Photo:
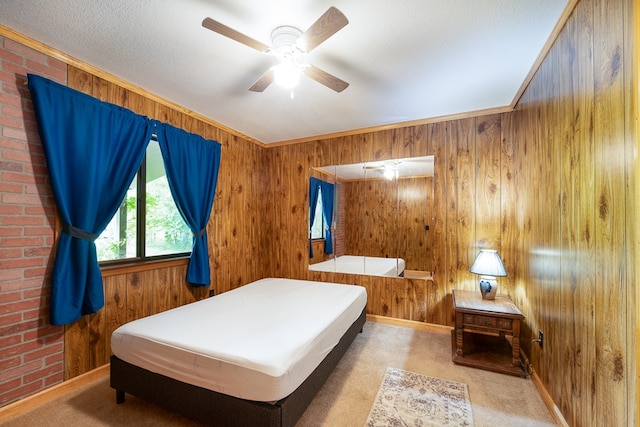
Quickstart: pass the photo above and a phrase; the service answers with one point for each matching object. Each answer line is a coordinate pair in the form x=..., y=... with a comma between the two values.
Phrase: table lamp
x=488, y=265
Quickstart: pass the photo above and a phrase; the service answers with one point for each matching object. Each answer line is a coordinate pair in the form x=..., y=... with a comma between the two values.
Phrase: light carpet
x=415, y=400
x=344, y=401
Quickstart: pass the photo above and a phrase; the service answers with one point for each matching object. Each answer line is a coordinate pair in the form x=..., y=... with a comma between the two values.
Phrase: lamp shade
x=488, y=263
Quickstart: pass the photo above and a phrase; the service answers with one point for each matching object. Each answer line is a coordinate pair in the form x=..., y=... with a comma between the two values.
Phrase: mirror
x=379, y=221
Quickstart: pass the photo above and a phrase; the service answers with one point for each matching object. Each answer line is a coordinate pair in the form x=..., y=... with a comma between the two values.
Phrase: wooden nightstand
x=482, y=328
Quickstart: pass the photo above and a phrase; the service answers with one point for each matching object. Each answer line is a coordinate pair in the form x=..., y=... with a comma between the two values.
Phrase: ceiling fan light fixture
x=287, y=75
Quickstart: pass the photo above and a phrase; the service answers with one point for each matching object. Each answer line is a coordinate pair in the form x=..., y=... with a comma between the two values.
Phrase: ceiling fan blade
x=322, y=77
x=263, y=82
x=326, y=26
x=222, y=29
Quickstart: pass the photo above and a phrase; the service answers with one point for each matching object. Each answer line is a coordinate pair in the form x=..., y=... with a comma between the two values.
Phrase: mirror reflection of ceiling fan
x=289, y=45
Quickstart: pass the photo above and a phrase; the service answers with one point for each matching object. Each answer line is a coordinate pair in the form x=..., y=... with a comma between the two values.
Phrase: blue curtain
x=192, y=165
x=93, y=150
x=327, y=191
x=314, y=186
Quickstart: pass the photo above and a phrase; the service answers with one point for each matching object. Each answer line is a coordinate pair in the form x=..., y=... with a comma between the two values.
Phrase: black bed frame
x=211, y=407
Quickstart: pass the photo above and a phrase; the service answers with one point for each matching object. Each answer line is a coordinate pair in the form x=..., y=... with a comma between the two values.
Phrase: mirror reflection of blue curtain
x=313, y=201
x=93, y=150
x=192, y=164
x=327, y=210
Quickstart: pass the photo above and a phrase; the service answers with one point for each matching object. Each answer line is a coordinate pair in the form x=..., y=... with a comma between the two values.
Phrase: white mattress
x=355, y=264
x=258, y=342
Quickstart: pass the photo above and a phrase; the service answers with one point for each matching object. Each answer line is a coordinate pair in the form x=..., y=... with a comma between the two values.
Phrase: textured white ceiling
x=405, y=60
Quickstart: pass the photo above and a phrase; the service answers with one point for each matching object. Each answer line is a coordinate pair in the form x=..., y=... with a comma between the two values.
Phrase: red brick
x=9, y=385
x=21, y=220
x=10, y=254
x=7, y=231
x=12, y=340
x=10, y=363
x=20, y=263
x=12, y=210
x=11, y=166
x=10, y=319
x=55, y=358
x=18, y=155
x=24, y=51
x=39, y=231
x=14, y=133
x=18, y=177
x=13, y=144
x=14, y=307
x=9, y=276
x=18, y=393
x=20, y=370
x=10, y=296
x=55, y=378
x=5, y=98
x=42, y=353
x=7, y=55
x=20, y=199
x=11, y=188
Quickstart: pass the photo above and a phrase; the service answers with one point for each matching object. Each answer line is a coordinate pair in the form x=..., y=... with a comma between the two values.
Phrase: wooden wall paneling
x=488, y=174
x=282, y=193
x=237, y=162
x=160, y=283
x=543, y=208
x=569, y=217
x=583, y=406
x=221, y=217
x=632, y=132
x=299, y=211
x=437, y=300
x=79, y=80
x=510, y=232
x=254, y=253
x=136, y=306
x=76, y=348
x=272, y=209
x=115, y=290
x=97, y=339
x=265, y=226
x=168, y=115
x=610, y=398
x=354, y=235
x=382, y=145
x=463, y=147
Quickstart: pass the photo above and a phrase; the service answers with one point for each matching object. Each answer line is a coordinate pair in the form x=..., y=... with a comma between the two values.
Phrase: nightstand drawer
x=487, y=322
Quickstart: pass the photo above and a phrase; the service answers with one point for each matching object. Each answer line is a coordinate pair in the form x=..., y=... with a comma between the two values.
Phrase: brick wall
x=31, y=349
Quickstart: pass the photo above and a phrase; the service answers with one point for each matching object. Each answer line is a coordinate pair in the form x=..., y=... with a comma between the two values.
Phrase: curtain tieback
x=78, y=233
x=200, y=233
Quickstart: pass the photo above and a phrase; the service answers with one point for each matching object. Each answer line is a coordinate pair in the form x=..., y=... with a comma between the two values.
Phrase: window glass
x=152, y=214
x=165, y=230
x=118, y=240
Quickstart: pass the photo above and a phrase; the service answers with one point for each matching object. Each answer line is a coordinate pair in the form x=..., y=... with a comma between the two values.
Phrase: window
x=318, y=226
x=147, y=224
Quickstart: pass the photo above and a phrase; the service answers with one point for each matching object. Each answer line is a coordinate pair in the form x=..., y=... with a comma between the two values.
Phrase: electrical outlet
x=211, y=292
x=540, y=338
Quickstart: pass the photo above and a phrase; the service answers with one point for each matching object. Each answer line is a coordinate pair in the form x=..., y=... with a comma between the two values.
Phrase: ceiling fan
x=289, y=45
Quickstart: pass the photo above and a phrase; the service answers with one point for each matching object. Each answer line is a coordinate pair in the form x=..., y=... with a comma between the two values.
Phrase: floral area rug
x=409, y=399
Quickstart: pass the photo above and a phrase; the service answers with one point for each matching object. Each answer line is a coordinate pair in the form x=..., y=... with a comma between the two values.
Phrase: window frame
x=141, y=216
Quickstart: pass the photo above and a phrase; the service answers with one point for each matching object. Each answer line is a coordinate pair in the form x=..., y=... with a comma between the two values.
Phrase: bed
x=256, y=355
x=356, y=264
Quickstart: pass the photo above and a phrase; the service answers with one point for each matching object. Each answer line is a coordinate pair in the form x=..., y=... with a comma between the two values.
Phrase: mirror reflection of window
x=318, y=226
